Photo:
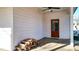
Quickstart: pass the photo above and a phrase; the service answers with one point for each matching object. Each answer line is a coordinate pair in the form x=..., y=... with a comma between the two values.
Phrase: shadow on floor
x=44, y=41
x=53, y=40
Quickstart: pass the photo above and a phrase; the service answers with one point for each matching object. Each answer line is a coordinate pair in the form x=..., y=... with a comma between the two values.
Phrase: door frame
x=51, y=26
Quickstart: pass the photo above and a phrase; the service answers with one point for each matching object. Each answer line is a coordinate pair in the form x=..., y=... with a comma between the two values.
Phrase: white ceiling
x=67, y=9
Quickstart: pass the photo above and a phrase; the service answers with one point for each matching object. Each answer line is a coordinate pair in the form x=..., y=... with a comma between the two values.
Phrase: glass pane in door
x=56, y=26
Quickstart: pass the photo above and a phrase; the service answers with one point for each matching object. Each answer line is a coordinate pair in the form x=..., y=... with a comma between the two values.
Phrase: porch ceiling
x=45, y=9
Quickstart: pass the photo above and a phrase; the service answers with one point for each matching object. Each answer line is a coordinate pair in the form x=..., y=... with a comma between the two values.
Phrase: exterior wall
x=64, y=24
x=6, y=23
x=27, y=24
x=31, y=23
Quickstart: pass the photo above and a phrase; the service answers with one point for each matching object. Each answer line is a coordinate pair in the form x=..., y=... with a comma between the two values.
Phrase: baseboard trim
x=55, y=38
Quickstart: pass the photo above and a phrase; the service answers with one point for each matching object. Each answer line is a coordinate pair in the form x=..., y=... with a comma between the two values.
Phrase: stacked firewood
x=26, y=44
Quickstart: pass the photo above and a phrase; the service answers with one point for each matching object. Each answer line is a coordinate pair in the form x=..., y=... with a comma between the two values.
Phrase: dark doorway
x=55, y=28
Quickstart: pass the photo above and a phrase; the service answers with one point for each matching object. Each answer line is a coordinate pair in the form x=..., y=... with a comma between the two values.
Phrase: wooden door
x=55, y=28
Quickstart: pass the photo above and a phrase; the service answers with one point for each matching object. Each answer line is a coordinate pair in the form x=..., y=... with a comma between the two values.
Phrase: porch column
x=71, y=27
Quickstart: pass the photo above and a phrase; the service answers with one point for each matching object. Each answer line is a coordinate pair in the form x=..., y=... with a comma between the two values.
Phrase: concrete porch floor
x=3, y=49
x=54, y=44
